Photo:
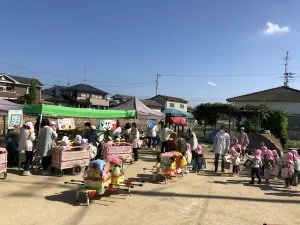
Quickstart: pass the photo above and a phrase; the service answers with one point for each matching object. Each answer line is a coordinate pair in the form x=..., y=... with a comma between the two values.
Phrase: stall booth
x=177, y=118
x=73, y=157
x=143, y=113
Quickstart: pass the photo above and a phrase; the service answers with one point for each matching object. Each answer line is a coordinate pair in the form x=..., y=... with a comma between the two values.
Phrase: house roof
x=151, y=103
x=171, y=99
x=278, y=94
x=119, y=96
x=49, y=91
x=85, y=88
x=25, y=80
x=50, y=98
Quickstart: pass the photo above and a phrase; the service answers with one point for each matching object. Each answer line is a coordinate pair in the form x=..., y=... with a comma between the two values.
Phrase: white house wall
x=291, y=108
x=176, y=106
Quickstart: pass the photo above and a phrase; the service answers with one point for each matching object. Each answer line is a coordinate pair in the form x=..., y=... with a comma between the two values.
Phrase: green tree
x=30, y=98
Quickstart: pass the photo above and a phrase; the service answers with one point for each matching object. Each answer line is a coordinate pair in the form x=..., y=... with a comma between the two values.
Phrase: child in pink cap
x=275, y=170
x=255, y=165
x=234, y=153
x=296, y=167
x=289, y=165
x=268, y=162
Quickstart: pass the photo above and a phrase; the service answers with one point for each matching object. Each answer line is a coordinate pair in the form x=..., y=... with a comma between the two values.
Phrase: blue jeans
x=197, y=166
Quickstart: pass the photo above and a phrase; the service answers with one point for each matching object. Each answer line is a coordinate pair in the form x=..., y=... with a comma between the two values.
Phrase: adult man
x=165, y=136
x=151, y=134
x=243, y=140
x=221, y=146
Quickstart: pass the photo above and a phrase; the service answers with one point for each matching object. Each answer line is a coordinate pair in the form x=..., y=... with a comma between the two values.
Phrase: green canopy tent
x=52, y=110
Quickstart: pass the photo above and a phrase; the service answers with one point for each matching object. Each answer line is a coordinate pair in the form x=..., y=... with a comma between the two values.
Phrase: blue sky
x=124, y=44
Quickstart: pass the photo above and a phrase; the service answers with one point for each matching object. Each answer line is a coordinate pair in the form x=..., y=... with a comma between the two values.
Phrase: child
x=234, y=153
x=296, y=167
x=256, y=164
x=188, y=153
x=158, y=164
x=289, y=165
x=268, y=163
x=197, y=157
x=275, y=171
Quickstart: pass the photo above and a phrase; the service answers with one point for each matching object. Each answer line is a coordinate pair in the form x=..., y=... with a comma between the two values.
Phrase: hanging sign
x=15, y=119
x=66, y=124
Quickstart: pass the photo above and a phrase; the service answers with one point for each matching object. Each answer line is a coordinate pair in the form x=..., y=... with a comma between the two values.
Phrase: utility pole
x=85, y=75
x=157, y=83
x=287, y=75
x=68, y=84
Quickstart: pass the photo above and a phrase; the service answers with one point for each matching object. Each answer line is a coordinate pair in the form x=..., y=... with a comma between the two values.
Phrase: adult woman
x=134, y=137
x=27, y=136
x=191, y=138
x=47, y=136
x=221, y=146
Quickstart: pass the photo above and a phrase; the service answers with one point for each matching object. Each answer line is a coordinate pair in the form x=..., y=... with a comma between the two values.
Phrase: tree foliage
x=30, y=98
x=255, y=117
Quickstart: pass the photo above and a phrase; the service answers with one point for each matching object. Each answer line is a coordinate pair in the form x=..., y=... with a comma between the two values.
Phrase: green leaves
x=30, y=98
x=274, y=120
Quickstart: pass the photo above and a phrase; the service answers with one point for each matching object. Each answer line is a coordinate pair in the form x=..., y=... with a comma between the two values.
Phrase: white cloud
x=211, y=83
x=272, y=28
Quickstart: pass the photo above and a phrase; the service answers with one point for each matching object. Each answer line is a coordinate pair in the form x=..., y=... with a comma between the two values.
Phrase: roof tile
x=278, y=94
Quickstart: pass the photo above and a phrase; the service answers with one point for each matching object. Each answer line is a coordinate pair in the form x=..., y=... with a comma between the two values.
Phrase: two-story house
x=80, y=95
x=15, y=87
x=171, y=102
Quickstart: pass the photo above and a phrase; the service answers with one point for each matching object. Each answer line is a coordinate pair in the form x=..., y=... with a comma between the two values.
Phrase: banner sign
x=66, y=124
x=107, y=125
x=151, y=123
x=15, y=119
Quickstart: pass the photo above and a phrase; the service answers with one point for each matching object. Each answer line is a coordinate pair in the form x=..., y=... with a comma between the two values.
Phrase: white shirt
x=221, y=143
x=165, y=134
x=151, y=132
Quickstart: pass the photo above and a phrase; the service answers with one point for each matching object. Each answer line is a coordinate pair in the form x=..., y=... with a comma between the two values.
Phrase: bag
x=227, y=165
x=203, y=162
x=284, y=172
x=248, y=163
x=275, y=171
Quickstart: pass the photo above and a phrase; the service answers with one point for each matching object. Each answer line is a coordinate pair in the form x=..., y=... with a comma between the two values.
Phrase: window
x=182, y=106
x=172, y=105
x=83, y=95
x=6, y=87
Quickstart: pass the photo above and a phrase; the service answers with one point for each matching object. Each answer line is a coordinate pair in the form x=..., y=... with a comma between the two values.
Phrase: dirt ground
x=203, y=199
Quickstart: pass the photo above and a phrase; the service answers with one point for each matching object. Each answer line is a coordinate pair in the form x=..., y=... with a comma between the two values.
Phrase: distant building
x=14, y=88
x=80, y=95
x=152, y=105
x=280, y=98
x=118, y=99
x=190, y=109
x=171, y=102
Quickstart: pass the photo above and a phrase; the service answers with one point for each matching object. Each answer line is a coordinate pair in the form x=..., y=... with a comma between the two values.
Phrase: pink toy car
x=3, y=162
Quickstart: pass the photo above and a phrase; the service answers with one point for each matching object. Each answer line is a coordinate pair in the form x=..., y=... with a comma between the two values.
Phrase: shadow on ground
x=219, y=197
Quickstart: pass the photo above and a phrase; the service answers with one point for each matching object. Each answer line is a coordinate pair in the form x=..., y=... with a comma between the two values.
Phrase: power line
x=217, y=75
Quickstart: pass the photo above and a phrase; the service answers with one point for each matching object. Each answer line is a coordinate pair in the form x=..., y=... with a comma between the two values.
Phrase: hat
x=242, y=128
x=93, y=127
